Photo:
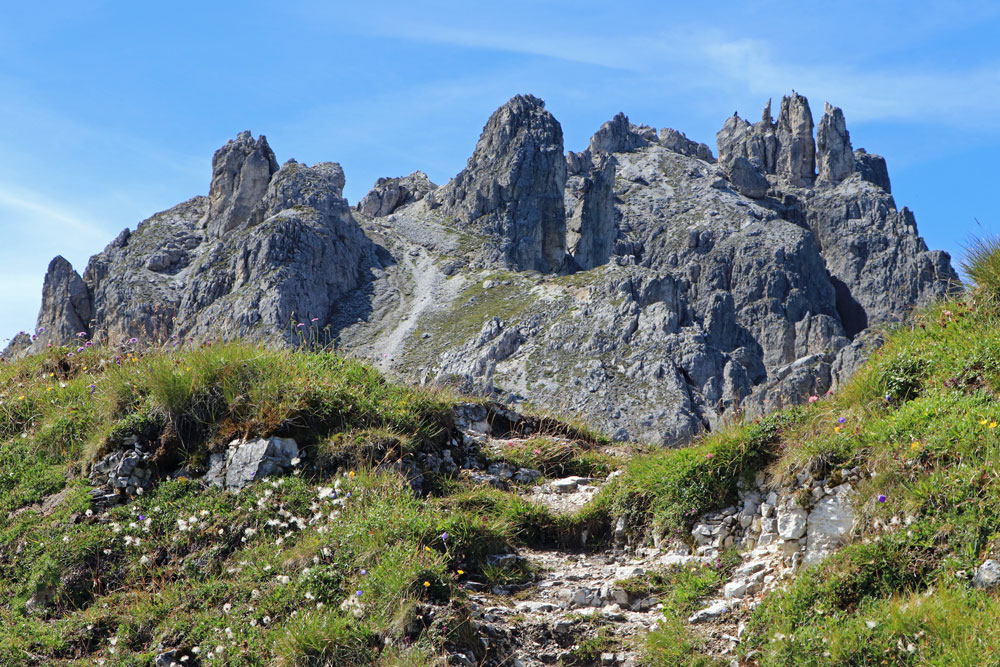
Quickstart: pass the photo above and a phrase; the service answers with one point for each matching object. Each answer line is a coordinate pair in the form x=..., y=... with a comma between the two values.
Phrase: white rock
x=792, y=523
x=829, y=525
x=714, y=610
x=735, y=589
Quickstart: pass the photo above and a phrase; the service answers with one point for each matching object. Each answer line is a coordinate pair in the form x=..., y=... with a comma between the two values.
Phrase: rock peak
x=834, y=156
x=241, y=171
x=797, y=154
x=512, y=187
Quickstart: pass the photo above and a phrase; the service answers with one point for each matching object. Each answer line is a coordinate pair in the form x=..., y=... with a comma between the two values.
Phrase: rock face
x=391, y=193
x=796, y=160
x=638, y=283
x=66, y=306
x=833, y=146
x=512, y=188
x=241, y=171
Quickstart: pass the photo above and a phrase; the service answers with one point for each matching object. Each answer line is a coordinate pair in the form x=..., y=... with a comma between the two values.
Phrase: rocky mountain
x=640, y=284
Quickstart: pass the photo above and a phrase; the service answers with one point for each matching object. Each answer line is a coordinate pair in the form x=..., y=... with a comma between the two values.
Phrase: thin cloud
x=711, y=60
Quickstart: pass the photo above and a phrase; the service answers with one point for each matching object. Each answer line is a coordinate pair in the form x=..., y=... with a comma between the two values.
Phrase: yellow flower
x=982, y=422
x=427, y=584
x=350, y=474
x=993, y=424
x=836, y=429
x=461, y=572
x=915, y=445
x=20, y=398
x=427, y=548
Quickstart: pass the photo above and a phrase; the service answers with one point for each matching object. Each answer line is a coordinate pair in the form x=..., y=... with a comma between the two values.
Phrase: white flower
x=226, y=608
x=283, y=579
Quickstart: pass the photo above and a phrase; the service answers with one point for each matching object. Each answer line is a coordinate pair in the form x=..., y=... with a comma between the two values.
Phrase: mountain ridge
x=641, y=284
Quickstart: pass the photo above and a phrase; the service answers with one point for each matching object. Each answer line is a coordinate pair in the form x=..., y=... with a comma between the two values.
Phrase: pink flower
x=813, y=399
x=710, y=455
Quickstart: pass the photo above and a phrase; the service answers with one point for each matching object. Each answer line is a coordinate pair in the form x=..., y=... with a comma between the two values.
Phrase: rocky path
x=428, y=287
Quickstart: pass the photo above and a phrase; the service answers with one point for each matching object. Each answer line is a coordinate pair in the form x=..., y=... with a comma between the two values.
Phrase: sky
x=111, y=111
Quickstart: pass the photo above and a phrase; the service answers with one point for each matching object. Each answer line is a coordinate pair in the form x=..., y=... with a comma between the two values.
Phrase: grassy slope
x=920, y=417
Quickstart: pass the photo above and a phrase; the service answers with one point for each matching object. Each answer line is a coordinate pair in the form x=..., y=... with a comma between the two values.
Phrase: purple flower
x=89, y=343
x=444, y=536
x=82, y=334
x=841, y=420
x=300, y=325
x=93, y=388
x=363, y=572
x=40, y=330
x=133, y=341
x=142, y=517
x=888, y=397
x=881, y=498
x=358, y=593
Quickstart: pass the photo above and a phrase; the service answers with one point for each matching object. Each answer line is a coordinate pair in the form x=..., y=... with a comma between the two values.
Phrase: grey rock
x=796, y=160
x=872, y=168
x=618, y=135
x=390, y=194
x=591, y=220
x=512, y=188
x=792, y=523
x=678, y=142
x=834, y=156
x=987, y=575
x=746, y=177
x=67, y=307
x=241, y=171
x=829, y=526
x=247, y=461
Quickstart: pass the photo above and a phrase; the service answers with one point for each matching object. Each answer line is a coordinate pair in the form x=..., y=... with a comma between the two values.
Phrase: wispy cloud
x=707, y=59
x=24, y=205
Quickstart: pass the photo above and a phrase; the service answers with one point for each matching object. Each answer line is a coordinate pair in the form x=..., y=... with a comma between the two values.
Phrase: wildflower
x=351, y=474
x=133, y=341
x=364, y=572
x=359, y=592
x=444, y=536
x=315, y=319
x=813, y=399
x=426, y=548
x=300, y=325
x=983, y=422
x=914, y=445
x=710, y=456
x=842, y=420
x=881, y=498
x=461, y=572
x=836, y=429
x=888, y=398
x=993, y=424
x=93, y=388
x=427, y=584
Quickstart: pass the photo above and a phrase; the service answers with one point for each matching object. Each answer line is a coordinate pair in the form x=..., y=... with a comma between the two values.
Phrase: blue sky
x=111, y=111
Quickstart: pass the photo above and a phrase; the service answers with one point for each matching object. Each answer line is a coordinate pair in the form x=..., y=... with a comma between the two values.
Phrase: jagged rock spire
x=797, y=150
x=241, y=171
x=512, y=187
x=618, y=135
x=834, y=155
x=67, y=306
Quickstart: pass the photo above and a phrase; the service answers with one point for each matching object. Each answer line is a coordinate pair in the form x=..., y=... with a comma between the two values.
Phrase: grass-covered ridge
x=337, y=564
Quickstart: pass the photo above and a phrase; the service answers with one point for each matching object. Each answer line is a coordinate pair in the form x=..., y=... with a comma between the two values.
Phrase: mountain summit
x=641, y=284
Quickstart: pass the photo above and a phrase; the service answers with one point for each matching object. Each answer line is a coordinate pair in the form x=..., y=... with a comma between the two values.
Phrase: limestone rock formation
x=512, y=188
x=241, y=171
x=66, y=306
x=391, y=193
x=833, y=147
x=638, y=284
x=618, y=135
x=591, y=223
x=796, y=159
